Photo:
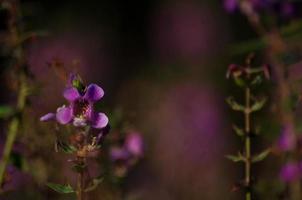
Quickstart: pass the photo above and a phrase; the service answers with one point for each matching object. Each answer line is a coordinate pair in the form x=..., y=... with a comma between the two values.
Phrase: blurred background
x=162, y=64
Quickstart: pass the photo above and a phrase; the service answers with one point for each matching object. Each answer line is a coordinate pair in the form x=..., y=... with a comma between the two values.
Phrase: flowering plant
x=81, y=115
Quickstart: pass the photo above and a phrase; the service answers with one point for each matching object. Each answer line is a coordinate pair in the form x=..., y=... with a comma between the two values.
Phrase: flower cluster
x=127, y=153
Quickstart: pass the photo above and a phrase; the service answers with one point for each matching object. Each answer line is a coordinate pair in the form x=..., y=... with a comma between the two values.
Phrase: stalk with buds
x=246, y=78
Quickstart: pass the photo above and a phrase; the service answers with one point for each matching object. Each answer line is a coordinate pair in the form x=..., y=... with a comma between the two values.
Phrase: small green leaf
x=95, y=182
x=238, y=131
x=239, y=81
x=261, y=156
x=235, y=158
x=64, y=189
x=258, y=105
x=78, y=83
x=66, y=147
x=257, y=80
x=234, y=105
x=6, y=111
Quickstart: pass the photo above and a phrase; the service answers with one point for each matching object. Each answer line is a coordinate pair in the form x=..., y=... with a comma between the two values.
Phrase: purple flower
x=287, y=140
x=80, y=110
x=134, y=144
x=290, y=171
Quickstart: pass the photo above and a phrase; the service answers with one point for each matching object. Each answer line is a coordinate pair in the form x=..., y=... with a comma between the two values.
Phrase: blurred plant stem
x=247, y=144
x=13, y=127
x=277, y=46
x=20, y=69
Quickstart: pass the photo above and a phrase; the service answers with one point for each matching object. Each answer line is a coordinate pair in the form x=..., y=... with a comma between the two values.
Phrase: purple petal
x=99, y=120
x=134, y=144
x=94, y=93
x=48, y=117
x=71, y=94
x=64, y=115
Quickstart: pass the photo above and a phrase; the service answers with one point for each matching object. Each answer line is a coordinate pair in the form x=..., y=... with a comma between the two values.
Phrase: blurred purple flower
x=134, y=144
x=290, y=171
x=15, y=179
x=80, y=111
x=287, y=140
x=283, y=8
x=127, y=154
x=287, y=9
x=132, y=148
x=119, y=154
x=183, y=30
x=247, y=5
x=230, y=5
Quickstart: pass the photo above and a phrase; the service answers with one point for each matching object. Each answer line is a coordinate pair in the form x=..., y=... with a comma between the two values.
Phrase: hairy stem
x=81, y=181
x=247, y=144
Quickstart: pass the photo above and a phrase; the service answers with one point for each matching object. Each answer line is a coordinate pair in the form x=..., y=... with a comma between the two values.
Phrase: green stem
x=13, y=128
x=247, y=144
x=80, y=183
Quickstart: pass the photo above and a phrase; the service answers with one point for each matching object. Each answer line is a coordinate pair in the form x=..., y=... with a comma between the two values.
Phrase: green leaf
x=258, y=105
x=95, y=182
x=234, y=105
x=261, y=156
x=66, y=147
x=78, y=83
x=64, y=189
x=6, y=111
x=239, y=81
x=238, y=158
x=238, y=130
